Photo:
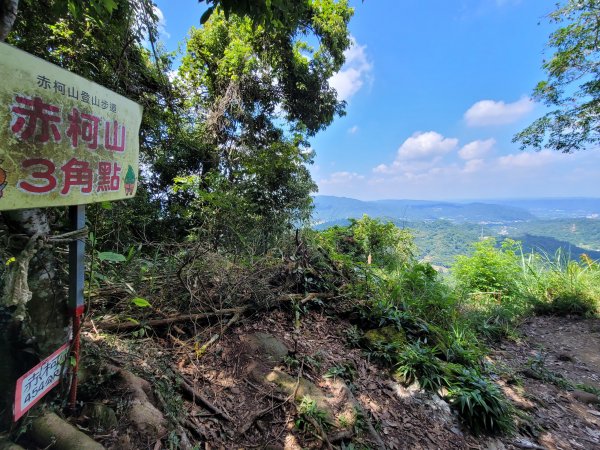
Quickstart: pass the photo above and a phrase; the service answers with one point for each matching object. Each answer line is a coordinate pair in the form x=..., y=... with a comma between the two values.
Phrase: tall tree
x=572, y=87
x=255, y=95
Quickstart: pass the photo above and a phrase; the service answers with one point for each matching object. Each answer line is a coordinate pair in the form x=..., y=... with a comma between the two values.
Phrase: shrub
x=560, y=286
x=489, y=269
x=419, y=290
x=389, y=247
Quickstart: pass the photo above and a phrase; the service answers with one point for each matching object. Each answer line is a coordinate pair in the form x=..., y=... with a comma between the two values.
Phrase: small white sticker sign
x=36, y=383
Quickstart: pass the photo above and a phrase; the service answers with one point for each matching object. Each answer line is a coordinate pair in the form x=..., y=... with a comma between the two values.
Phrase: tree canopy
x=226, y=137
x=572, y=87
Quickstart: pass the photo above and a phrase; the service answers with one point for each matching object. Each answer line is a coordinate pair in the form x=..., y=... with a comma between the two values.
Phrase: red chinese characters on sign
x=108, y=176
x=113, y=143
x=48, y=181
x=84, y=126
x=30, y=113
x=76, y=174
x=39, y=122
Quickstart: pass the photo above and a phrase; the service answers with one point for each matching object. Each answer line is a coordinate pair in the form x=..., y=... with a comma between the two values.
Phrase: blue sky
x=435, y=89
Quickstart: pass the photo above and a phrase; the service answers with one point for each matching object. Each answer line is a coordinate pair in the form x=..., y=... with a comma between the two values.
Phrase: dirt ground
x=542, y=372
x=565, y=352
x=404, y=418
x=551, y=415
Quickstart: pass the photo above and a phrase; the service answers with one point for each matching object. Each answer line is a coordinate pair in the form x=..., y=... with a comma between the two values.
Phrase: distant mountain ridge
x=331, y=208
x=443, y=230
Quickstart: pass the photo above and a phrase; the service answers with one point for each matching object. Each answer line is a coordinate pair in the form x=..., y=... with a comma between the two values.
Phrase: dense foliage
x=218, y=222
x=434, y=330
x=572, y=88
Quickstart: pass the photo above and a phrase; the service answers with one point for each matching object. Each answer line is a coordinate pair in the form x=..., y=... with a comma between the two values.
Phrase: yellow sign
x=64, y=140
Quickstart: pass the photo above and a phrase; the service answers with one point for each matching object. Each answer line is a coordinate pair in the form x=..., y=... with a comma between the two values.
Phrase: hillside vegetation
x=216, y=316
x=444, y=230
x=421, y=330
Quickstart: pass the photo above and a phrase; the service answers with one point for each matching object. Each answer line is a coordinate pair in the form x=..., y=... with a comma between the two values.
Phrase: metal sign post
x=76, y=288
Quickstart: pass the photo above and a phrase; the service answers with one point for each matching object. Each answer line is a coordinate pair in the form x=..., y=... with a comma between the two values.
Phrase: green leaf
x=10, y=261
x=106, y=205
x=206, y=15
x=141, y=302
x=111, y=257
x=109, y=5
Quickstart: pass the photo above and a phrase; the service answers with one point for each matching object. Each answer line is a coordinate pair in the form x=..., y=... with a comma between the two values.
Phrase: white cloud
x=162, y=23
x=529, y=159
x=542, y=174
x=473, y=165
x=476, y=149
x=426, y=145
x=490, y=112
x=341, y=178
x=353, y=129
x=419, y=152
x=355, y=72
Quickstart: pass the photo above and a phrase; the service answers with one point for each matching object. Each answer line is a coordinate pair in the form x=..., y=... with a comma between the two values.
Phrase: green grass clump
x=480, y=403
x=560, y=286
x=463, y=346
x=419, y=362
x=311, y=417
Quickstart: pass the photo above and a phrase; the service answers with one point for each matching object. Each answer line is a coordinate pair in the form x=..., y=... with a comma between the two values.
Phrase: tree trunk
x=8, y=14
x=33, y=304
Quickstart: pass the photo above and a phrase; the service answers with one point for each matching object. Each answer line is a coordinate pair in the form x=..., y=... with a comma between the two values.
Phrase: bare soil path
x=251, y=376
x=545, y=372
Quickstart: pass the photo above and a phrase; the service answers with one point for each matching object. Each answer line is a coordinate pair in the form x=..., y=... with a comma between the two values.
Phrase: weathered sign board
x=36, y=383
x=64, y=140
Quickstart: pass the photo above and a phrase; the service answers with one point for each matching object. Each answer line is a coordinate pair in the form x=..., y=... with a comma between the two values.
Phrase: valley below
x=558, y=228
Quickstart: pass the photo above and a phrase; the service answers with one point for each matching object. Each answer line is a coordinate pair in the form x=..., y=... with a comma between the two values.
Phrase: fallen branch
x=216, y=336
x=303, y=299
x=319, y=432
x=341, y=436
x=257, y=415
x=198, y=398
x=125, y=326
x=194, y=427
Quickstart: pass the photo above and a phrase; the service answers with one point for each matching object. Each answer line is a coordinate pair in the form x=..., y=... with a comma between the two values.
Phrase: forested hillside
x=444, y=230
x=228, y=307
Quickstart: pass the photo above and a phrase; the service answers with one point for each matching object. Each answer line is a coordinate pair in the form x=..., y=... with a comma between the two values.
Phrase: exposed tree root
x=145, y=417
x=370, y=429
x=50, y=431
